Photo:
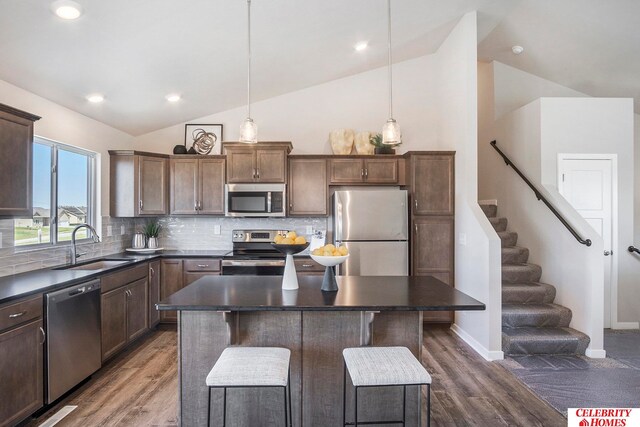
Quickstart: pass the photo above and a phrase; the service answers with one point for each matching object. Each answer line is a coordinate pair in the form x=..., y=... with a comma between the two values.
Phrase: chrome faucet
x=74, y=254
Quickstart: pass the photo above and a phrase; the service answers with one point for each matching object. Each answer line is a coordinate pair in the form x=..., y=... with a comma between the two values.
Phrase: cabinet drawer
x=124, y=277
x=20, y=312
x=202, y=264
x=307, y=264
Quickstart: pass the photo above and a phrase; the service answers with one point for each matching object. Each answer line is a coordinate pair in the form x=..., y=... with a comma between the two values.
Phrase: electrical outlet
x=109, y=230
x=122, y=230
x=309, y=230
x=216, y=229
x=462, y=239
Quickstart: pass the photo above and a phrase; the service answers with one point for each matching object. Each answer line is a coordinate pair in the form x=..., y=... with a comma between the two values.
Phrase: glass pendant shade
x=391, y=133
x=249, y=131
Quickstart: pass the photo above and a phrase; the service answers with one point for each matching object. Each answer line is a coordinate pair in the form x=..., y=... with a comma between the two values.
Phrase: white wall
x=306, y=117
x=478, y=260
x=63, y=125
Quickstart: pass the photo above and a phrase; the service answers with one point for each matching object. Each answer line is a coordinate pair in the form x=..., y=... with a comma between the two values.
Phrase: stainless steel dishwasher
x=73, y=337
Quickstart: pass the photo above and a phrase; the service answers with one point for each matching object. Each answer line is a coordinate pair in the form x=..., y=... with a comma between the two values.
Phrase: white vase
x=341, y=141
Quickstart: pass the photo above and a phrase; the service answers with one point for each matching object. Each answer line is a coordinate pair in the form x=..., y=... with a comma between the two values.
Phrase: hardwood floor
x=139, y=388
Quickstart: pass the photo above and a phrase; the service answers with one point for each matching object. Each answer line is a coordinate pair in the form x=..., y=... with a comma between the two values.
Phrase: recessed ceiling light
x=95, y=98
x=517, y=49
x=360, y=46
x=173, y=97
x=66, y=9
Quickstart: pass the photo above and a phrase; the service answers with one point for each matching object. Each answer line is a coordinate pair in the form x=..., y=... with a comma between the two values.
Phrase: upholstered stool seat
x=251, y=367
x=382, y=367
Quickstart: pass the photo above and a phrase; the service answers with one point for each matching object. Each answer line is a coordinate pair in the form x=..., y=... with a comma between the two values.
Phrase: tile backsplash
x=200, y=233
x=14, y=260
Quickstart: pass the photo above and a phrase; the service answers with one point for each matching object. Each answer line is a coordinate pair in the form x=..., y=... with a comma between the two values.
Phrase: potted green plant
x=376, y=141
x=151, y=232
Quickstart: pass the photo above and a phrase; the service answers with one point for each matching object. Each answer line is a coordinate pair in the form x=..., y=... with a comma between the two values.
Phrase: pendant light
x=391, y=134
x=248, y=128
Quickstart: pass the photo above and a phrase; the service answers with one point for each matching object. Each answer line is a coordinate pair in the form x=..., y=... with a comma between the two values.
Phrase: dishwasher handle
x=74, y=291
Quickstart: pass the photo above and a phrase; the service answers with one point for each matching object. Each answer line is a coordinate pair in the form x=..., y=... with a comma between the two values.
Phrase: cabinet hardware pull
x=307, y=265
x=199, y=205
x=366, y=172
x=44, y=336
x=141, y=205
x=195, y=207
x=14, y=315
x=258, y=173
x=153, y=273
x=416, y=227
x=254, y=174
x=416, y=203
x=203, y=265
x=361, y=172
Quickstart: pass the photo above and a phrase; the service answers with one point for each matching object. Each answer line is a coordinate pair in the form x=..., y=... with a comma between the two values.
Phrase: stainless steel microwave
x=255, y=200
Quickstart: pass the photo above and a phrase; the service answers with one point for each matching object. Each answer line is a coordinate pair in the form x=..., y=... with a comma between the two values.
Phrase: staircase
x=531, y=322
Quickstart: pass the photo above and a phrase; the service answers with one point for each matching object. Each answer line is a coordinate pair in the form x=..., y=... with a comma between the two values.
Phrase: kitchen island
x=218, y=311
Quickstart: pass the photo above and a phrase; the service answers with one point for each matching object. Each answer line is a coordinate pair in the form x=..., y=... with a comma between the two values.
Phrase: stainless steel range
x=253, y=254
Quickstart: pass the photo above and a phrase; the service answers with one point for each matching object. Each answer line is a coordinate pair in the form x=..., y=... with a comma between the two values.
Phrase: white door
x=586, y=183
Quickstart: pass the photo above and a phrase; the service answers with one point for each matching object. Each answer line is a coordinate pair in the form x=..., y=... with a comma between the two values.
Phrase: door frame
x=614, y=222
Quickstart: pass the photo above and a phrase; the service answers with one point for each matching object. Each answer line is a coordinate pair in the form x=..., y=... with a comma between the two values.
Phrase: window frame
x=92, y=207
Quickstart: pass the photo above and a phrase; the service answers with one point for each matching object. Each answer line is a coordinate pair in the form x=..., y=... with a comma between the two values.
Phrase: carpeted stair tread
x=527, y=340
x=508, y=238
x=499, y=224
x=489, y=210
x=536, y=315
x=528, y=293
x=515, y=255
x=521, y=273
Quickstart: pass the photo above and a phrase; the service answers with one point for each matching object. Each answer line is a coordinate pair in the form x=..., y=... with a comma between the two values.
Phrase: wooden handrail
x=539, y=196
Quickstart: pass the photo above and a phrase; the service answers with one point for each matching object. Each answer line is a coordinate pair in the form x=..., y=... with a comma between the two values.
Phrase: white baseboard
x=596, y=354
x=479, y=348
x=625, y=325
x=488, y=202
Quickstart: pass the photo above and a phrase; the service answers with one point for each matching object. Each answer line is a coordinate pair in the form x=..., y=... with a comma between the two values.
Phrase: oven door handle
x=256, y=263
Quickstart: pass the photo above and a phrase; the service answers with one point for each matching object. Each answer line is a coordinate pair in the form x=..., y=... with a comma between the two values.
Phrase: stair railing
x=633, y=249
x=539, y=196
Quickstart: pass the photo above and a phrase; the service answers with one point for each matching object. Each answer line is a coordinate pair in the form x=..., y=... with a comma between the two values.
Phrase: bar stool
x=249, y=367
x=383, y=367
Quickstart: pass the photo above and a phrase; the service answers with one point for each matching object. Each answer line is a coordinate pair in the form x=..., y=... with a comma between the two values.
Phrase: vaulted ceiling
x=137, y=52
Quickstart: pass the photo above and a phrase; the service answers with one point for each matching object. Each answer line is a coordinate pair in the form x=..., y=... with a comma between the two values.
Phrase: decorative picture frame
x=190, y=130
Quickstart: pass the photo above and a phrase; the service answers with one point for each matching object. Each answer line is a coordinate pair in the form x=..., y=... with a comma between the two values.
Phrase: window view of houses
x=32, y=231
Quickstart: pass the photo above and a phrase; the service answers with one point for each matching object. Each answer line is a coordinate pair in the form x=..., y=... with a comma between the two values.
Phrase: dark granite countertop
x=49, y=279
x=356, y=293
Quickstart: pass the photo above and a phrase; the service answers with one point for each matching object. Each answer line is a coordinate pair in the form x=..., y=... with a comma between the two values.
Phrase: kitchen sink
x=97, y=265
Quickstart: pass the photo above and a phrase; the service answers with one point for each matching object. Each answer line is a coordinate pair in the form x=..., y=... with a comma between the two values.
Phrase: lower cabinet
x=170, y=283
x=124, y=316
x=154, y=293
x=21, y=372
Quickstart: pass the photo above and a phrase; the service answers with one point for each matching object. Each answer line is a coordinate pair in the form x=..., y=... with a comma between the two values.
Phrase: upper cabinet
x=197, y=185
x=432, y=183
x=261, y=162
x=138, y=184
x=16, y=143
x=371, y=170
x=307, y=189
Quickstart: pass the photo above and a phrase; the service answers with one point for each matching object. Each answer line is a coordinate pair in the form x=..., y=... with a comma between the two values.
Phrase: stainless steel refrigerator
x=373, y=224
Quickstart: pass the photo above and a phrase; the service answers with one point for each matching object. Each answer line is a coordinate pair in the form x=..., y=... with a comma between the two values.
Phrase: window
x=63, y=195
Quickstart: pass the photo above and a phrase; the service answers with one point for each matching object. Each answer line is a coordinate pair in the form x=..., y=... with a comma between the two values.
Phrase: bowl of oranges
x=330, y=255
x=290, y=243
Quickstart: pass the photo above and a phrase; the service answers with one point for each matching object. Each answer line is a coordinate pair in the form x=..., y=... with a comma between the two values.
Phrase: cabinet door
x=114, y=321
x=433, y=184
x=183, y=186
x=211, y=198
x=152, y=186
x=346, y=171
x=271, y=165
x=137, y=309
x=16, y=142
x=21, y=376
x=433, y=255
x=240, y=165
x=154, y=293
x=381, y=171
x=170, y=283
x=307, y=187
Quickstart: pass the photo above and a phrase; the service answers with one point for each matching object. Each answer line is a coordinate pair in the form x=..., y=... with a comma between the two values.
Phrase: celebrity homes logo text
x=603, y=417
